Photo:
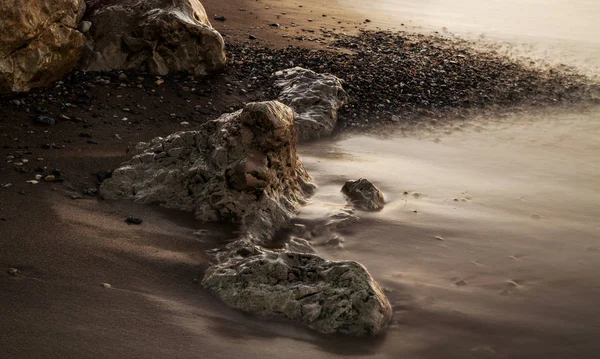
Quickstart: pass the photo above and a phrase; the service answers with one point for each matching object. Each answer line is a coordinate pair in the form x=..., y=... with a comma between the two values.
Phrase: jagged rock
x=158, y=36
x=327, y=296
x=242, y=167
x=364, y=195
x=315, y=99
x=39, y=42
x=299, y=245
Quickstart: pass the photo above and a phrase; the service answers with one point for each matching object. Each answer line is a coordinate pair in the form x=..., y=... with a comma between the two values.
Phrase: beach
x=488, y=246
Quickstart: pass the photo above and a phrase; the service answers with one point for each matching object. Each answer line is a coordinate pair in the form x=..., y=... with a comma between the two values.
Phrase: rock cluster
x=158, y=36
x=40, y=42
x=315, y=98
x=242, y=167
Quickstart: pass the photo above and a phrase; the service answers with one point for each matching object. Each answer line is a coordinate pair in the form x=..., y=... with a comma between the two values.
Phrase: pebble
x=118, y=137
x=49, y=178
x=38, y=177
x=12, y=272
x=45, y=120
x=185, y=123
x=106, y=285
x=439, y=238
x=33, y=181
x=76, y=196
x=133, y=220
x=123, y=77
x=252, y=37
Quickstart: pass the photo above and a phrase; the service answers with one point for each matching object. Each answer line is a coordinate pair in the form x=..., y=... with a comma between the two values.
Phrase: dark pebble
x=220, y=18
x=92, y=142
x=133, y=220
x=45, y=120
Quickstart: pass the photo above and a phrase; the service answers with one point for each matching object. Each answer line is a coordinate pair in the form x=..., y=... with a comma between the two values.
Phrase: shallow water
x=495, y=248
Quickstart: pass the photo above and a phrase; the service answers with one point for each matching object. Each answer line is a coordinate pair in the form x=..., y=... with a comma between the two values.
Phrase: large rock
x=315, y=99
x=39, y=42
x=327, y=296
x=241, y=167
x=158, y=36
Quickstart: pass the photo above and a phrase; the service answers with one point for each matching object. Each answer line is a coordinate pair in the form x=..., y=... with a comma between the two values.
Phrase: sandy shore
x=513, y=277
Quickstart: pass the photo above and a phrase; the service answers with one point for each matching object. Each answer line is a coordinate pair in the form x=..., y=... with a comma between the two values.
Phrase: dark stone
x=133, y=220
x=45, y=120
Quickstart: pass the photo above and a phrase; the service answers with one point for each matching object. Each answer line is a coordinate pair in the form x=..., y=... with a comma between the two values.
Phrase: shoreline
x=65, y=248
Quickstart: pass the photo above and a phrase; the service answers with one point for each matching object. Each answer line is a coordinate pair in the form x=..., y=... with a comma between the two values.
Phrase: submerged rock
x=40, y=42
x=242, y=167
x=325, y=295
x=363, y=194
x=315, y=99
x=158, y=36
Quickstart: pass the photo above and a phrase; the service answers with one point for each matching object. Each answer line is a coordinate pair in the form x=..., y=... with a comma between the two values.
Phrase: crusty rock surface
x=325, y=295
x=363, y=194
x=242, y=167
x=39, y=42
x=158, y=36
x=315, y=99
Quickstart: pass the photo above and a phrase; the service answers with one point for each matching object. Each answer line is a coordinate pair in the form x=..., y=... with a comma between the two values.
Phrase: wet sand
x=514, y=276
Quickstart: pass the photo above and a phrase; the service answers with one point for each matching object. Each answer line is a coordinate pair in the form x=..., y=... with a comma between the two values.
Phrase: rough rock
x=299, y=245
x=327, y=296
x=39, y=43
x=241, y=167
x=315, y=99
x=363, y=194
x=158, y=36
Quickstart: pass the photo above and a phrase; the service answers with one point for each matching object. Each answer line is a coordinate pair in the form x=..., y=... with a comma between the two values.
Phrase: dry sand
x=515, y=275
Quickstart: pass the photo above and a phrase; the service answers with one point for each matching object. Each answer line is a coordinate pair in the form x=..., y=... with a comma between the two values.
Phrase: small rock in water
x=220, y=18
x=363, y=195
x=536, y=216
x=106, y=285
x=439, y=238
x=13, y=271
x=45, y=120
x=118, y=137
x=33, y=181
x=133, y=220
x=123, y=77
x=49, y=178
x=461, y=283
x=252, y=37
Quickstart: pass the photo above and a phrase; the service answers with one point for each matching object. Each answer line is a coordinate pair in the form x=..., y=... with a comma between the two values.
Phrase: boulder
x=315, y=99
x=40, y=42
x=363, y=194
x=241, y=167
x=157, y=36
x=326, y=296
